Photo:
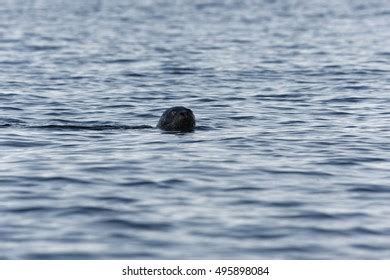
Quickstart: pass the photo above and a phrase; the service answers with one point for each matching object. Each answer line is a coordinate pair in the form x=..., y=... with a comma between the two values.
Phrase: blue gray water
x=290, y=160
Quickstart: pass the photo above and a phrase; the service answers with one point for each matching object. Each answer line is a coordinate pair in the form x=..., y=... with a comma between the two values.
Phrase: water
x=290, y=159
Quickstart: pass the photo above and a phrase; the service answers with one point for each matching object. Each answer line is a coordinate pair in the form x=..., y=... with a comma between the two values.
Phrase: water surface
x=290, y=160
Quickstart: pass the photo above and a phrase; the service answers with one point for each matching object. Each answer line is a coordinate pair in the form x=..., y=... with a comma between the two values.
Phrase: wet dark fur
x=177, y=119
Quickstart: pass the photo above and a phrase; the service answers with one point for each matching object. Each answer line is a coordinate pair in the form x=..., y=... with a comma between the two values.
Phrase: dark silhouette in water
x=177, y=119
x=180, y=119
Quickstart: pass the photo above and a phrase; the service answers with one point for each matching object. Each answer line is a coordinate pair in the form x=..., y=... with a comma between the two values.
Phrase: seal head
x=177, y=119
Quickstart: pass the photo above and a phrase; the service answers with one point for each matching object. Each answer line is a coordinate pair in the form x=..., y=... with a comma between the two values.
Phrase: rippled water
x=290, y=159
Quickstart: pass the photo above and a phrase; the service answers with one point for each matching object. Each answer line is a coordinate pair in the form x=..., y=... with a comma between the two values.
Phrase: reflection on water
x=290, y=159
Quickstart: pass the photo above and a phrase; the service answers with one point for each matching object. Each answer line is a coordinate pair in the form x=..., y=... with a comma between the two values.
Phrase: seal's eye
x=173, y=113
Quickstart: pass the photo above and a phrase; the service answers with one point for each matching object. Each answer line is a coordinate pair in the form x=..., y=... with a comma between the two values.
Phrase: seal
x=177, y=119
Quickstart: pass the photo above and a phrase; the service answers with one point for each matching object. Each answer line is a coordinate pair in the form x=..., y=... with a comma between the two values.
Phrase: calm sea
x=290, y=159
